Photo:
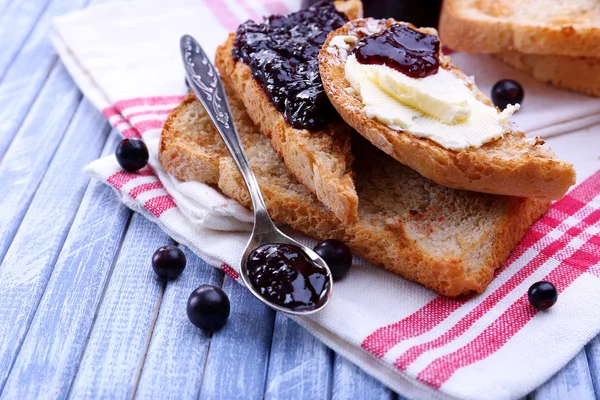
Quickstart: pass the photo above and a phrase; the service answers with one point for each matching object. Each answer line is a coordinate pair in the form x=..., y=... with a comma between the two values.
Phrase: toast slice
x=320, y=159
x=512, y=165
x=570, y=28
x=579, y=74
x=448, y=240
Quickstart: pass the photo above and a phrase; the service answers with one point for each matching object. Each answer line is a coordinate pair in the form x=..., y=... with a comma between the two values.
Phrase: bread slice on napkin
x=448, y=240
x=512, y=165
x=321, y=159
x=570, y=28
x=579, y=74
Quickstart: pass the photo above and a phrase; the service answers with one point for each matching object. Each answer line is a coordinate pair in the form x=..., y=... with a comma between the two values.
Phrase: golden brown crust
x=528, y=26
x=320, y=159
x=448, y=240
x=579, y=74
x=509, y=166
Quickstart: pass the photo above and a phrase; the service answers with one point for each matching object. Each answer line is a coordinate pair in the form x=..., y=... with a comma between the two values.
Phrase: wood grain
x=28, y=71
x=177, y=352
x=30, y=259
x=300, y=367
x=350, y=382
x=56, y=337
x=117, y=343
x=237, y=363
x=27, y=159
x=572, y=382
x=16, y=22
x=592, y=351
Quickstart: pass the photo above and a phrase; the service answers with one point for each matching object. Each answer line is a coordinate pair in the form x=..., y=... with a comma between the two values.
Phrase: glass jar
x=421, y=13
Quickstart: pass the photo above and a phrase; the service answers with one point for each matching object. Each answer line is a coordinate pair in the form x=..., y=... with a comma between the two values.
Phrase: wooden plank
x=592, y=351
x=237, y=363
x=118, y=339
x=572, y=382
x=28, y=72
x=51, y=350
x=177, y=351
x=300, y=367
x=350, y=382
x=16, y=23
x=25, y=271
x=27, y=159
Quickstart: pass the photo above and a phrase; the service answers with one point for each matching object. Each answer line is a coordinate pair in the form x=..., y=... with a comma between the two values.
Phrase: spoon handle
x=206, y=84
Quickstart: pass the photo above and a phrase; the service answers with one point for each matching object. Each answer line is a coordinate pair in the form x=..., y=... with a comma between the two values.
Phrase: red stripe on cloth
x=145, y=187
x=223, y=13
x=434, y=312
x=144, y=126
x=158, y=205
x=494, y=298
x=130, y=132
x=110, y=112
x=119, y=179
x=512, y=320
x=230, y=271
x=150, y=112
x=122, y=105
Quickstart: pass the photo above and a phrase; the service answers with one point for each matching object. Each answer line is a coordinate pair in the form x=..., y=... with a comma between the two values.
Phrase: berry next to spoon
x=278, y=270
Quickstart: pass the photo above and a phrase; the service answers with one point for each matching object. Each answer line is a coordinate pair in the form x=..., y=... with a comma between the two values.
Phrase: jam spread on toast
x=284, y=275
x=399, y=47
x=282, y=53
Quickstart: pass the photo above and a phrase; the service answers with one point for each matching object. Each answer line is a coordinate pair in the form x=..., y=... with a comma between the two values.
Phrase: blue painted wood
x=16, y=23
x=350, y=382
x=572, y=382
x=30, y=259
x=118, y=340
x=300, y=367
x=592, y=351
x=27, y=159
x=177, y=352
x=237, y=363
x=28, y=72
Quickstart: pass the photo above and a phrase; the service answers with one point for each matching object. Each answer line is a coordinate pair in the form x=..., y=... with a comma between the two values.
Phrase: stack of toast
x=557, y=43
x=445, y=219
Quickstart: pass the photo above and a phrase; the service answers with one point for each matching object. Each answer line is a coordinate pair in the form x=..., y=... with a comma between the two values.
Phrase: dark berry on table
x=208, y=308
x=132, y=154
x=542, y=295
x=337, y=255
x=507, y=92
x=168, y=262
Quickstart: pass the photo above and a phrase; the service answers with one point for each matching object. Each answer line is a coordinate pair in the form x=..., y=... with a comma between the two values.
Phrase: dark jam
x=282, y=53
x=404, y=49
x=284, y=275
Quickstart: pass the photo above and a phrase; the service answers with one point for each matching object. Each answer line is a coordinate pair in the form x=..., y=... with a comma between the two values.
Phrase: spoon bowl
x=206, y=84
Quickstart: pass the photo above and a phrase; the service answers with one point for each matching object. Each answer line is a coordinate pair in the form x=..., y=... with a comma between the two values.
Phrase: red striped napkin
x=422, y=345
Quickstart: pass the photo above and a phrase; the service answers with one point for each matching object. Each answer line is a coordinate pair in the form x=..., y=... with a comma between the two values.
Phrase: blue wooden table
x=81, y=313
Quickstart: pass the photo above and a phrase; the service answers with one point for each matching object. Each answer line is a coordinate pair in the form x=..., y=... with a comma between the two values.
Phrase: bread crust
x=406, y=222
x=509, y=166
x=320, y=159
x=579, y=74
x=493, y=26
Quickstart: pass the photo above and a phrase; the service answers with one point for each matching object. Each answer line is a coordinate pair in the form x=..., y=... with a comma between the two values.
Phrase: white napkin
x=125, y=57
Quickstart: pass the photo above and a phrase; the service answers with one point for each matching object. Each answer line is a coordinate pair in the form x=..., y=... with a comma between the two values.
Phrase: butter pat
x=439, y=107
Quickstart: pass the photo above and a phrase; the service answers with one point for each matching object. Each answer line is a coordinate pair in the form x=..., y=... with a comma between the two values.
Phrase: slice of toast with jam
x=462, y=143
x=273, y=68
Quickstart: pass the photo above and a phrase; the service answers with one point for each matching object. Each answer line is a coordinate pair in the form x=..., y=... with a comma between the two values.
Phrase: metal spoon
x=207, y=86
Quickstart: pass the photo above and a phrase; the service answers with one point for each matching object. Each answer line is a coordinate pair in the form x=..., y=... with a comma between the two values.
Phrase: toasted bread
x=320, y=159
x=512, y=165
x=570, y=28
x=448, y=240
x=579, y=74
